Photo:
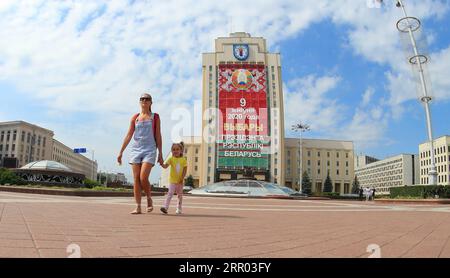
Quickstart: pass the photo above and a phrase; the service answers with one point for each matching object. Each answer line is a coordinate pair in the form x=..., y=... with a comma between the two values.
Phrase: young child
x=178, y=166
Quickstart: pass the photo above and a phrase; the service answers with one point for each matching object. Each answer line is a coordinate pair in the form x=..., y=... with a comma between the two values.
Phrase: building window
x=7, y=147
x=13, y=147
x=337, y=172
x=328, y=163
x=318, y=171
x=346, y=172
x=309, y=162
x=346, y=163
x=337, y=155
x=14, y=135
x=318, y=154
x=196, y=159
x=276, y=172
x=196, y=168
x=196, y=150
x=346, y=155
x=28, y=137
x=309, y=153
x=209, y=159
x=337, y=163
x=328, y=154
x=43, y=143
x=318, y=162
x=23, y=136
x=8, y=135
x=276, y=161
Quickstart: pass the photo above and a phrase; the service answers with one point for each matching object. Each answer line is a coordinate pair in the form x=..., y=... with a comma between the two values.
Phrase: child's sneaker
x=164, y=210
x=178, y=211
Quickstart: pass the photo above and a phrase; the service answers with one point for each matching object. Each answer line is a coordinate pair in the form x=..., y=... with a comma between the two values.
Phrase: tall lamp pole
x=410, y=25
x=302, y=128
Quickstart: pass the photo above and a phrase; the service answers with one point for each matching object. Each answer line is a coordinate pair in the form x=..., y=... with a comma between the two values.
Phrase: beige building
x=442, y=160
x=28, y=143
x=246, y=59
x=399, y=170
x=319, y=158
x=76, y=162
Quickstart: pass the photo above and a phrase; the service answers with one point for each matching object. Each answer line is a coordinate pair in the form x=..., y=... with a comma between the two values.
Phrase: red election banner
x=243, y=127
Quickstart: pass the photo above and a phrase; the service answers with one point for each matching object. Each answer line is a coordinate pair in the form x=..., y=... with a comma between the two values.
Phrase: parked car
x=187, y=188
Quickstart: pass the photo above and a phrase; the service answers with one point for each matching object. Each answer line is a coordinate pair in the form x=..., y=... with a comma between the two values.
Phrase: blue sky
x=78, y=67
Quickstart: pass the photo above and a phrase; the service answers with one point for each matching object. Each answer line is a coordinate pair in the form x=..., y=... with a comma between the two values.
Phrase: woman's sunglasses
x=142, y=99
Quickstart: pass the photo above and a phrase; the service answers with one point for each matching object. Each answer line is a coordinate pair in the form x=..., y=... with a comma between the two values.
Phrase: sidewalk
x=34, y=225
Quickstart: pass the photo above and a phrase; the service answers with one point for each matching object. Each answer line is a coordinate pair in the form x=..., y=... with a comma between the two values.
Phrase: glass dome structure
x=47, y=165
x=246, y=188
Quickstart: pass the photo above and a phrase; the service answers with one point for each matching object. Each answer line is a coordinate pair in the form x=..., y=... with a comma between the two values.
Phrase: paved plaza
x=44, y=226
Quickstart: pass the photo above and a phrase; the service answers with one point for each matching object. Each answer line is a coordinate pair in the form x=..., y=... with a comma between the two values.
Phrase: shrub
x=9, y=177
x=90, y=183
x=420, y=191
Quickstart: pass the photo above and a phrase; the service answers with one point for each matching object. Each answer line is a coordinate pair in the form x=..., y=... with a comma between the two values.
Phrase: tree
x=306, y=183
x=189, y=181
x=355, y=186
x=328, y=186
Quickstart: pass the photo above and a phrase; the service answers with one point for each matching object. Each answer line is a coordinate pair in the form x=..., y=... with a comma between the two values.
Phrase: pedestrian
x=145, y=129
x=360, y=194
x=367, y=193
x=373, y=193
x=178, y=167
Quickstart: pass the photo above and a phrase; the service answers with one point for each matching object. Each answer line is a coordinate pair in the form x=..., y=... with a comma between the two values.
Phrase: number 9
x=243, y=102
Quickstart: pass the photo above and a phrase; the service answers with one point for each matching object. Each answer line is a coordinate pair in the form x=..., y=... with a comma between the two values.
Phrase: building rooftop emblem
x=241, y=51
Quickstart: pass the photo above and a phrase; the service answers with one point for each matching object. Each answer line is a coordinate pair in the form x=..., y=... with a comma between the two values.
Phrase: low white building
x=399, y=170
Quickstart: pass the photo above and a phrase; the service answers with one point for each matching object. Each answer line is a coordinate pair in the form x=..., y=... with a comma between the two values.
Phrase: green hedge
x=420, y=191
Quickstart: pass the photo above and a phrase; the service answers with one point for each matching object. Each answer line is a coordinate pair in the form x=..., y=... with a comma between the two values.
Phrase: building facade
x=319, y=159
x=27, y=143
x=442, y=160
x=242, y=105
x=75, y=161
x=399, y=170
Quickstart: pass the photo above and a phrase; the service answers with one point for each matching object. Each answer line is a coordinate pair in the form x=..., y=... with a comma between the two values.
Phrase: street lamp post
x=302, y=128
x=410, y=25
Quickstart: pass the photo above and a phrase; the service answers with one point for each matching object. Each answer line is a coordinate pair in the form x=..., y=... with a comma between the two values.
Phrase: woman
x=146, y=128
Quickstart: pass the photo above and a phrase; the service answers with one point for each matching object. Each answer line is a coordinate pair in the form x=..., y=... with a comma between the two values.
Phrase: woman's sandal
x=136, y=211
x=149, y=205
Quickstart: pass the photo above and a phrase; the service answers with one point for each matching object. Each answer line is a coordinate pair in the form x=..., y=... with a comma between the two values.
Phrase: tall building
x=242, y=107
x=442, y=160
x=399, y=170
x=243, y=124
x=27, y=143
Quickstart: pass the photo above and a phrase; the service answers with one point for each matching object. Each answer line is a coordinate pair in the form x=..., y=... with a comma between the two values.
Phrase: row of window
x=318, y=163
x=439, y=159
x=438, y=150
x=308, y=153
x=30, y=138
x=288, y=172
x=439, y=168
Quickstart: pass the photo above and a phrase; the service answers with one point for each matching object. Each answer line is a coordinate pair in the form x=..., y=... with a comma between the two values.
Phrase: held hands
x=160, y=159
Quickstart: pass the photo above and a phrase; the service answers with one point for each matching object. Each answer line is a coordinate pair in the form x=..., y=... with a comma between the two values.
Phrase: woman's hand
x=160, y=159
x=119, y=159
